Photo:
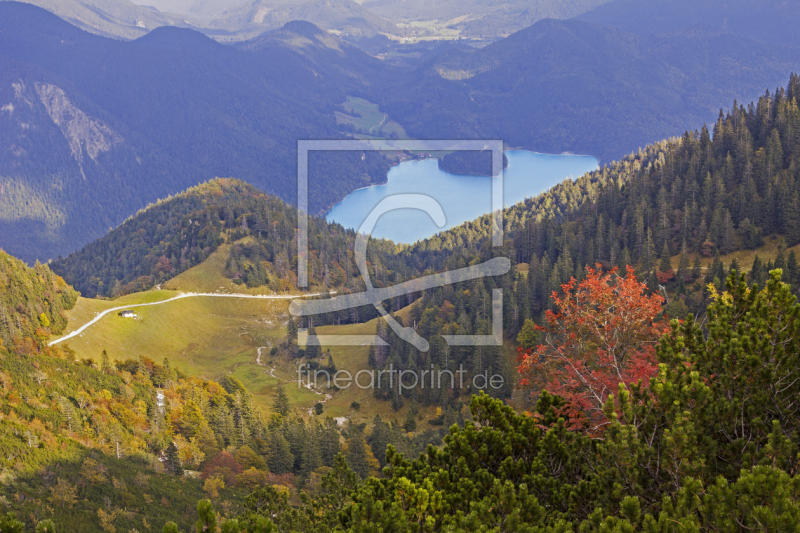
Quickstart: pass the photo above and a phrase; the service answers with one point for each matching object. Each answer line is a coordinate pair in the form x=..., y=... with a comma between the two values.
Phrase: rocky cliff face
x=83, y=133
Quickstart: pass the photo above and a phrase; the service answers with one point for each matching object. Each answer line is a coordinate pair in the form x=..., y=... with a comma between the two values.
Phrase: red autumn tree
x=602, y=333
x=224, y=465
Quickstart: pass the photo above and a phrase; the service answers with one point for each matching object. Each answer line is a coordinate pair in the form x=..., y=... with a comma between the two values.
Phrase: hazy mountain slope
x=94, y=129
x=771, y=21
x=318, y=50
x=120, y=19
x=481, y=18
x=345, y=16
x=200, y=9
x=573, y=86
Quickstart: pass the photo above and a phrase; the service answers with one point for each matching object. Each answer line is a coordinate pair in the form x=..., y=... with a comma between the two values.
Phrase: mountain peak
x=303, y=27
x=177, y=37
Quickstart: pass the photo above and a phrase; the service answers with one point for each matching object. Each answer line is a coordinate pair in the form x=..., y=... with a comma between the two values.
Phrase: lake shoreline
x=461, y=196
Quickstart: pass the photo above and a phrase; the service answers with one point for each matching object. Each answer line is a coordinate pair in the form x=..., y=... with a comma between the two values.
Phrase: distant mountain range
x=93, y=129
x=203, y=10
x=120, y=19
x=481, y=18
x=345, y=16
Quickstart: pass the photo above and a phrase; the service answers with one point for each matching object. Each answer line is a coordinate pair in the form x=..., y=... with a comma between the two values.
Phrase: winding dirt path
x=179, y=297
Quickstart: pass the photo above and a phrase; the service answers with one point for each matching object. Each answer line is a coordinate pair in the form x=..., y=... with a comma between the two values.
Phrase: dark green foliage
x=172, y=463
x=180, y=232
x=32, y=304
x=281, y=403
x=469, y=162
x=10, y=524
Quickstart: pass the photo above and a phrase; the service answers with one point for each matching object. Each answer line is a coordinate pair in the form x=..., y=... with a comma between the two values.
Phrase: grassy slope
x=354, y=359
x=202, y=336
x=371, y=119
x=766, y=253
x=210, y=337
x=208, y=276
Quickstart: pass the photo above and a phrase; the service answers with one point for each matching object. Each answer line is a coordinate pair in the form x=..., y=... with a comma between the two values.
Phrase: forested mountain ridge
x=704, y=193
x=32, y=301
x=94, y=129
x=82, y=440
x=353, y=70
x=107, y=444
x=708, y=192
x=179, y=232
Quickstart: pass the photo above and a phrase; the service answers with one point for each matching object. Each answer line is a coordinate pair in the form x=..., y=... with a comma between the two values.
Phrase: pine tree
x=329, y=441
x=793, y=220
x=792, y=275
x=780, y=259
x=311, y=458
x=206, y=517
x=735, y=266
x=696, y=268
x=313, y=349
x=666, y=260
x=683, y=265
x=411, y=422
x=652, y=281
x=359, y=456
x=756, y=271
x=172, y=463
x=281, y=460
x=379, y=439
x=106, y=363
x=625, y=260
x=281, y=404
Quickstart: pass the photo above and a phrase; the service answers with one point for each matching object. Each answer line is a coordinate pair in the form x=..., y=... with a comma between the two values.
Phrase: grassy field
x=208, y=276
x=203, y=336
x=211, y=337
x=428, y=30
x=373, y=121
x=745, y=258
x=354, y=359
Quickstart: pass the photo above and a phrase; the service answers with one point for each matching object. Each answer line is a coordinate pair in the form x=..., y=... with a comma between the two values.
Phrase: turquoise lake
x=462, y=197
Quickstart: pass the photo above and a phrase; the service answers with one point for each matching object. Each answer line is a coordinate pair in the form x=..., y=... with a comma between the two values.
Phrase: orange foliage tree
x=602, y=333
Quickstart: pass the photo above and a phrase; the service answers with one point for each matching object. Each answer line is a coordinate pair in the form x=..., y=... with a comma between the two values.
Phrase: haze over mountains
x=112, y=18
x=476, y=18
x=94, y=129
x=771, y=21
x=345, y=16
